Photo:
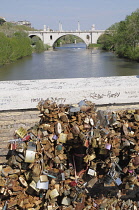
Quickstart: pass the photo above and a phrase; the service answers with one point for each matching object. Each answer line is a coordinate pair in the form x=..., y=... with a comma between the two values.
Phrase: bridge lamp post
x=79, y=26
x=60, y=26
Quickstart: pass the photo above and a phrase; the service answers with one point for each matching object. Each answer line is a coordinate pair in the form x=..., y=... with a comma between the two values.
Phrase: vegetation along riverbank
x=123, y=37
x=15, y=43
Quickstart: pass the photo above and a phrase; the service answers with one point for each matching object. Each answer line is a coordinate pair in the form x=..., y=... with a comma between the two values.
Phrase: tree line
x=15, y=43
x=123, y=37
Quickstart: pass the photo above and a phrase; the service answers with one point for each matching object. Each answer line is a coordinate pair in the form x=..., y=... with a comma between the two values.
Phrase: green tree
x=5, y=49
x=124, y=37
x=107, y=40
x=133, y=28
x=127, y=38
x=14, y=48
x=2, y=21
x=39, y=46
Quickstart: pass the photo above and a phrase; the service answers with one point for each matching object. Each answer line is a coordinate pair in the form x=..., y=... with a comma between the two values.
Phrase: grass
x=94, y=46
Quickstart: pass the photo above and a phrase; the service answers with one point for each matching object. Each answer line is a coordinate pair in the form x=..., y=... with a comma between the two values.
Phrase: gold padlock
x=21, y=132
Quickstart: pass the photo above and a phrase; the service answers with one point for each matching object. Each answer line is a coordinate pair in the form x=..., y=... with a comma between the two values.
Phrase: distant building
x=21, y=23
x=2, y=18
x=24, y=22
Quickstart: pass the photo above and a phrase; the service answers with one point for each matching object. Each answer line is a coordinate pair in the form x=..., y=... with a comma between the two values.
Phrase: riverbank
x=95, y=46
x=15, y=43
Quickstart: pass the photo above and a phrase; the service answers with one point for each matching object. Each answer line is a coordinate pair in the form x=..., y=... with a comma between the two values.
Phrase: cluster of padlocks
x=77, y=157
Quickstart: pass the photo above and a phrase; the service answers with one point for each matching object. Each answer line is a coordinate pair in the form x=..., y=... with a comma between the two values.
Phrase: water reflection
x=69, y=61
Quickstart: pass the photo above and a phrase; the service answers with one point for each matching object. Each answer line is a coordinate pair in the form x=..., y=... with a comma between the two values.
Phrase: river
x=68, y=61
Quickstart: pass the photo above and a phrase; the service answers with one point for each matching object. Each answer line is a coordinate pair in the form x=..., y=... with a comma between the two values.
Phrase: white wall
x=25, y=94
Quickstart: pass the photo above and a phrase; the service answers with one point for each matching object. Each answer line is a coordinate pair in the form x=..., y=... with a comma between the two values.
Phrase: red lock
x=26, y=138
x=13, y=146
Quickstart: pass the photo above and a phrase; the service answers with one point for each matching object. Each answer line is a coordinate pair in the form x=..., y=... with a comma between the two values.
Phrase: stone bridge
x=49, y=37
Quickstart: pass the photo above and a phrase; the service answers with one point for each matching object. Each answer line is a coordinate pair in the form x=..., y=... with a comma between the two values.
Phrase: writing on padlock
x=21, y=132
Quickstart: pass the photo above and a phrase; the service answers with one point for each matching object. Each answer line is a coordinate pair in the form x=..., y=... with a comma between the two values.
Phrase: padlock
x=85, y=108
x=26, y=138
x=2, y=182
x=96, y=133
x=33, y=186
x=19, y=159
x=42, y=185
x=86, y=120
x=62, y=138
x=57, y=160
x=108, y=146
x=91, y=172
x=103, y=151
x=23, y=181
x=58, y=128
x=74, y=109
x=21, y=132
x=63, y=117
x=118, y=181
x=13, y=145
x=136, y=116
x=66, y=201
x=92, y=182
x=54, y=193
x=30, y=156
x=70, y=136
x=75, y=129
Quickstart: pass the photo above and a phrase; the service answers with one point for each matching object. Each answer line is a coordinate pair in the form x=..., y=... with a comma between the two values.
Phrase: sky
x=102, y=13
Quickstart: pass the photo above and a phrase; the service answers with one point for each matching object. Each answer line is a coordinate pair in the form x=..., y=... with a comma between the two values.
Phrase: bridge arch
x=37, y=35
x=65, y=36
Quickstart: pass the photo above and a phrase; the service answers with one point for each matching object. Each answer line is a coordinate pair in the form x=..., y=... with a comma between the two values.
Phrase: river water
x=68, y=61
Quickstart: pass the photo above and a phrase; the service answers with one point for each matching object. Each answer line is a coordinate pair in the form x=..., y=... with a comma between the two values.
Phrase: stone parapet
x=26, y=94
